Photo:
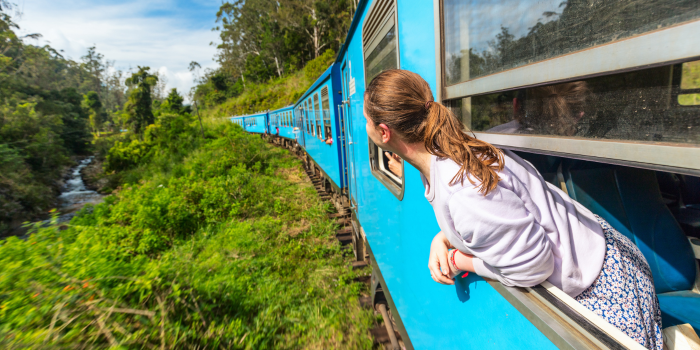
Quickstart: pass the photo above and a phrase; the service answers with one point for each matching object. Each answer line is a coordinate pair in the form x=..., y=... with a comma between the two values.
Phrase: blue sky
x=165, y=35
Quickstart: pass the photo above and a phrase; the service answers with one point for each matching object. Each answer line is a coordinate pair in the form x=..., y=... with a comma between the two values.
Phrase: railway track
x=385, y=334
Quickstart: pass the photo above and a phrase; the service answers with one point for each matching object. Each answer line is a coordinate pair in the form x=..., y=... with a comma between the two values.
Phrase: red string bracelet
x=452, y=259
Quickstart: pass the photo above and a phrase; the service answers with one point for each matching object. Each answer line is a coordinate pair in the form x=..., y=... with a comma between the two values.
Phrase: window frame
x=317, y=114
x=381, y=17
x=642, y=51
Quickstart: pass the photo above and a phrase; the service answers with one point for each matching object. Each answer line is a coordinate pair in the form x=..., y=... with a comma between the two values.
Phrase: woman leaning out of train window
x=501, y=220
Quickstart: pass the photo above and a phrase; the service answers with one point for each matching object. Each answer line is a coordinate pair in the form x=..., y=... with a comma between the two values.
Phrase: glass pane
x=643, y=105
x=383, y=57
x=487, y=37
x=689, y=99
x=690, y=78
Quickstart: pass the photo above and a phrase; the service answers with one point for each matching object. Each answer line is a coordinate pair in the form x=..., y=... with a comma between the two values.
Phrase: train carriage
x=320, y=126
x=283, y=120
x=601, y=97
x=255, y=123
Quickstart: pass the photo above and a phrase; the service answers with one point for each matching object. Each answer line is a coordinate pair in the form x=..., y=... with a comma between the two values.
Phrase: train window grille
x=380, y=45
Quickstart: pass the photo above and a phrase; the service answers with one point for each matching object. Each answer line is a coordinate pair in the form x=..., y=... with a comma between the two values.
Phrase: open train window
x=381, y=52
x=326, y=111
x=307, y=117
x=317, y=115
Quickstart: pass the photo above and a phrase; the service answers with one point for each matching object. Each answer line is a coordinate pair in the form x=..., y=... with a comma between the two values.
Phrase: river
x=74, y=195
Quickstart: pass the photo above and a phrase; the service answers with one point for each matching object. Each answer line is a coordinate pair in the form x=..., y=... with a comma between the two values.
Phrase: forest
x=207, y=237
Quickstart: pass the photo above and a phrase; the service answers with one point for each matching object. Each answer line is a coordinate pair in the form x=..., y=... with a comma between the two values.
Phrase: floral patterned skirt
x=623, y=294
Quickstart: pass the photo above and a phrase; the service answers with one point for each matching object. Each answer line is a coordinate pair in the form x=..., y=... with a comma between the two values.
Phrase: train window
x=387, y=168
x=326, y=110
x=485, y=38
x=633, y=106
x=307, y=119
x=690, y=84
x=317, y=114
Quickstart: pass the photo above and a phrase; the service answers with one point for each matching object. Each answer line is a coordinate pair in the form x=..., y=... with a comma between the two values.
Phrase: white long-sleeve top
x=523, y=232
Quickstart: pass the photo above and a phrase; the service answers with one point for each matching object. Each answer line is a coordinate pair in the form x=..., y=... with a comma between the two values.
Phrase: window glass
x=383, y=57
x=644, y=105
x=690, y=82
x=325, y=109
x=485, y=37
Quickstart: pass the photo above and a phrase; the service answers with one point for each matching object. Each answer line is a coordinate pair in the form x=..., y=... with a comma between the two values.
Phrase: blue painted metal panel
x=328, y=157
x=470, y=314
x=255, y=123
x=283, y=119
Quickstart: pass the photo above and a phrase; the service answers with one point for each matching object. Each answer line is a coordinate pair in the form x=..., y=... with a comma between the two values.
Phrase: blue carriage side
x=317, y=110
x=283, y=120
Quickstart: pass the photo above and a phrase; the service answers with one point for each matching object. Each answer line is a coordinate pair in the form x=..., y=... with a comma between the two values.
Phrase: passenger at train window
x=329, y=139
x=500, y=219
x=395, y=163
x=546, y=110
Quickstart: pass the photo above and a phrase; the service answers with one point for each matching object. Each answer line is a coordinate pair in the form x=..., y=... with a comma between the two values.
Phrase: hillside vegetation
x=274, y=94
x=228, y=248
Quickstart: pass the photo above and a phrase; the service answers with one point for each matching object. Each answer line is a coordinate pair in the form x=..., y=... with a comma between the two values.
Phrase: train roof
x=249, y=115
x=283, y=108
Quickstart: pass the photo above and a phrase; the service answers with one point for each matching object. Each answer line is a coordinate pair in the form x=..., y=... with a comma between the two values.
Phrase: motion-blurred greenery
x=227, y=246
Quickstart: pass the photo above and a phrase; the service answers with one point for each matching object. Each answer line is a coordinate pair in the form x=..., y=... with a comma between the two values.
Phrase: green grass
x=230, y=248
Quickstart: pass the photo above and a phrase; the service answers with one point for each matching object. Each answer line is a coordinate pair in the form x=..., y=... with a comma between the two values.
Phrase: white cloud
x=164, y=35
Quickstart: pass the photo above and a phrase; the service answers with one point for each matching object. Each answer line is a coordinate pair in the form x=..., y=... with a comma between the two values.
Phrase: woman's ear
x=384, y=132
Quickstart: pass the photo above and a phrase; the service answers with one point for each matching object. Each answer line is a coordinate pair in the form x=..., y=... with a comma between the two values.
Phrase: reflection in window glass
x=636, y=106
x=488, y=37
x=383, y=57
x=690, y=82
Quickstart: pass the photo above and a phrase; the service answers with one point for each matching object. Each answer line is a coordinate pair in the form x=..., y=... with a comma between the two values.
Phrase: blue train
x=628, y=149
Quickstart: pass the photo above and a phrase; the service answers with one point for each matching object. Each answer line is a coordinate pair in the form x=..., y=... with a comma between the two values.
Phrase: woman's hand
x=438, y=262
x=395, y=165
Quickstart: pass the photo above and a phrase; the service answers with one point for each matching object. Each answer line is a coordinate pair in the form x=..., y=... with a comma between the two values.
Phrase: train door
x=350, y=141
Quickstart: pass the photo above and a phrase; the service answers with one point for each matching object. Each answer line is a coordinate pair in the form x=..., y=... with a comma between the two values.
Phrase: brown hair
x=403, y=101
x=554, y=107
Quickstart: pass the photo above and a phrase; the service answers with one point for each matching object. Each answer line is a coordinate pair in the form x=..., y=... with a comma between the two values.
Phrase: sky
x=165, y=35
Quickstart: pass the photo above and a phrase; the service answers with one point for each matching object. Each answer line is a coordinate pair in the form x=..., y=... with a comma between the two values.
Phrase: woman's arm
x=438, y=263
x=507, y=241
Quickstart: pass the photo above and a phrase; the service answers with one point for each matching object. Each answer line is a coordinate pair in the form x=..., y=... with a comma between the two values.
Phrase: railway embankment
x=215, y=242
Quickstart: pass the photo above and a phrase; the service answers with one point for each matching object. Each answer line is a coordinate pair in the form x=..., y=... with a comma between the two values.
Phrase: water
x=74, y=194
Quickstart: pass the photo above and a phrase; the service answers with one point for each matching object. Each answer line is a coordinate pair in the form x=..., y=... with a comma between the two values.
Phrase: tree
x=92, y=102
x=139, y=105
x=173, y=103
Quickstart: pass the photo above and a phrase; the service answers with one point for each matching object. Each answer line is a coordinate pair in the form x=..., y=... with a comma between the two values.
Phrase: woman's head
x=401, y=103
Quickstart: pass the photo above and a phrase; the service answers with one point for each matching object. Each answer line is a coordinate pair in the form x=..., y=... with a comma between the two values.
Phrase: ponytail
x=403, y=101
x=445, y=137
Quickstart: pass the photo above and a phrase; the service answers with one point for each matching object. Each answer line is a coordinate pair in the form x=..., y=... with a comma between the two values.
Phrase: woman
x=502, y=219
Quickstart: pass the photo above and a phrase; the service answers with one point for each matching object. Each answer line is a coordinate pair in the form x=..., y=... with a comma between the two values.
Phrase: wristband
x=452, y=253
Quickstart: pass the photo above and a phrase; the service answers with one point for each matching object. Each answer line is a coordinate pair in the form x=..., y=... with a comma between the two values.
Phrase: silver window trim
x=651, y=48
x=679, y=158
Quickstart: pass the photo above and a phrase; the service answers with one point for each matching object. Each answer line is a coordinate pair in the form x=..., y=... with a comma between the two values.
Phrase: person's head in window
x=329, y=139
x=552, y=110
